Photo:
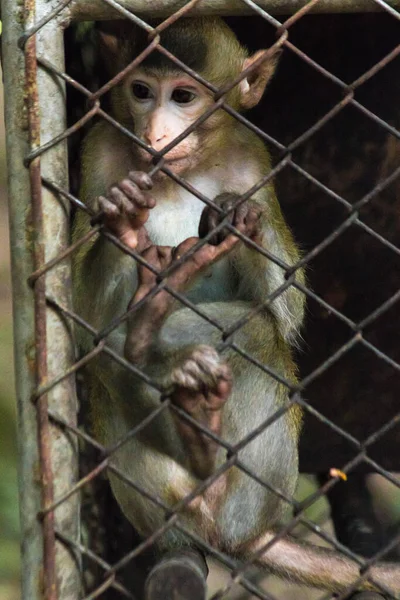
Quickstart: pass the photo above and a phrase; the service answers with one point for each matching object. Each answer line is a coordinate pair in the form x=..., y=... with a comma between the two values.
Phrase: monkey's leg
x=145, y=323
x=201, y=381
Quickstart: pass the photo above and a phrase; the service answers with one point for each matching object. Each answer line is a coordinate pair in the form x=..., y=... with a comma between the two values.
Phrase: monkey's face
x=163, y=106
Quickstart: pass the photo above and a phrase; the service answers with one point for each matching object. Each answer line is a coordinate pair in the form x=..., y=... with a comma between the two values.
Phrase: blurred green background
x=9, y=534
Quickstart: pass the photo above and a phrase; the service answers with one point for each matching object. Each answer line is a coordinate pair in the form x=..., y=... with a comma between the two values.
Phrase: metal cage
x=362, y=200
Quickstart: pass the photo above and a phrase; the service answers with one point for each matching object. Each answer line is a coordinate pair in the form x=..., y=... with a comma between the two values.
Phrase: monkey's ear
x=115, y=42
x=252, y=87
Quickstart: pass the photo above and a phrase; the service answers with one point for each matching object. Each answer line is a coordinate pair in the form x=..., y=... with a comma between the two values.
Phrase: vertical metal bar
x=23, y=306
x=60, y=345
x=39, y=233
x=39, y=290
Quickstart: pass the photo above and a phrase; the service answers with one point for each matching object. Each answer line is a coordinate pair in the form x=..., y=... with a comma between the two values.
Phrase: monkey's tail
x=307, y=564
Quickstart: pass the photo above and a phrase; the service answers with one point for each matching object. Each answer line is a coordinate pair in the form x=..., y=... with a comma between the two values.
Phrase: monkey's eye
x=182, y=96
x=141, y=91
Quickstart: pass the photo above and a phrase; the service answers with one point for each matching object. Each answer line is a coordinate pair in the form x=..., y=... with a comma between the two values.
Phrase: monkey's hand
x=245, y=217
x=126, y=207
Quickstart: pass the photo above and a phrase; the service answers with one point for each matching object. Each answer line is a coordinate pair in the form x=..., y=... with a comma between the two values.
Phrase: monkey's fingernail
x=142, y=179
x=175, y=255
x=148, y=181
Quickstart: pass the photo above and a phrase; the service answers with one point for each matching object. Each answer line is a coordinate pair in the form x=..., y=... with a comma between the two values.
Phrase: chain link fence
x=330, y=120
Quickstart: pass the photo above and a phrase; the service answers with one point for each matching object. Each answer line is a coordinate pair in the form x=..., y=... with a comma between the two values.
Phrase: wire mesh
x=352, y=218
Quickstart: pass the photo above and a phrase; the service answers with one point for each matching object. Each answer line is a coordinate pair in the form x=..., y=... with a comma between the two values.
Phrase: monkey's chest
x=169, y=224
x=173, y=221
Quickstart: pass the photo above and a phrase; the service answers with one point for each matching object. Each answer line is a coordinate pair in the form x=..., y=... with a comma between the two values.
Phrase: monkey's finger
x=206, y=256
x=107, y=207
x=208, y=221
x=130, y=213
x=165, y=256
x=224, y=386
x=203, y=225
x=134, y=194
x=247, y=219
x=240, y=214
x=217, y=398
x=119, y=199
x=225, y=246
x=252, y=217
x=222, y=233
x=252, y=223
x=150, y=253
x=142, y=291
x=158, y=257
x=228, y=217
x=197, y=377
x=229, y=202
x=184, y=247
x=202, y=258
x=142, y=180
x=192, y=264
x=117, y=223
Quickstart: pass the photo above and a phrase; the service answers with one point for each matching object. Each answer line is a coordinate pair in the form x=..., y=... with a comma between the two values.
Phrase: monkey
x=189, y=223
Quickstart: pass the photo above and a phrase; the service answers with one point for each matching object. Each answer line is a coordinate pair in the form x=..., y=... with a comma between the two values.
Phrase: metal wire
x=45, y=301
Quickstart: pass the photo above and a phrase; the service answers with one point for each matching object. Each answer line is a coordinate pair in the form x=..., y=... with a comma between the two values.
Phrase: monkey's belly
x=214, y=286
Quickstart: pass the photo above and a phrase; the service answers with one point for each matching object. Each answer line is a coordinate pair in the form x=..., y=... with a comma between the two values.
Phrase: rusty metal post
x=99, y=9
x=35, y=113
x=22, y=266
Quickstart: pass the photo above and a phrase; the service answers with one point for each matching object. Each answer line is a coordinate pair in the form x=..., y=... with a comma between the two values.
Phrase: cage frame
x=43, y=346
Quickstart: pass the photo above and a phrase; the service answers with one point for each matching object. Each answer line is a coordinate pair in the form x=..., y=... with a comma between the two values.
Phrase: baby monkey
x=225, y=278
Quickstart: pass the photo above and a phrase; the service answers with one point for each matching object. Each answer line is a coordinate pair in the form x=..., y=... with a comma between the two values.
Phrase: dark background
x=355, y=274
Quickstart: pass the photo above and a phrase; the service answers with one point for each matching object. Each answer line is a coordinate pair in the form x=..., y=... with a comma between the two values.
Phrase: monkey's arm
x=105, y=276
x=259, y=276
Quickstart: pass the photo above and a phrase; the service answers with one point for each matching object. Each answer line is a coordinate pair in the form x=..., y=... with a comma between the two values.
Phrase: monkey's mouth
x=170, y=157
x=175, y=159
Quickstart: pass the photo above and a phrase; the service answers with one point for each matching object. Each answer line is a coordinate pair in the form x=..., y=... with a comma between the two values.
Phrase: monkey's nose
x=156, y=141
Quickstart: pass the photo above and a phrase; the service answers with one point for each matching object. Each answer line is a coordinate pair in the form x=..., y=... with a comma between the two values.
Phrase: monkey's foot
x=202, y=384
x=146, y=321
x=163, y=257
